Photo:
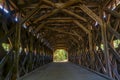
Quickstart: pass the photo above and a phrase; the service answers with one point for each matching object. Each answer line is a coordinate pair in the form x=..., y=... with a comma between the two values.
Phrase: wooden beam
x=106, y=3
x=114, y=13
x=32, y=13
x=81, y=26
x=104, y=37
x=78, y=35
x=60, y=21
x=75, y=40
x=55, y=10
x=69, y=3
x=115, y=33
x=39, y=27
x=60, y=24
x=114, y=52
x=74, y=14
x=11, y=2
x=16, y=54
x=87, y=31
x=61, y=31
x=61, y=5
x=116, y=25
x=7, y=34
x=46, y=15
x=32, y=6
x=91, y=14
x=47, y=22
x=63, y=18
x=90, y=40
x=106, y=51
x=49, y=2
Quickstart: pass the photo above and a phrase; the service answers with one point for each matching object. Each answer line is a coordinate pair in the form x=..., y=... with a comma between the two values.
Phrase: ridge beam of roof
x=55, y=10
x=61, y=5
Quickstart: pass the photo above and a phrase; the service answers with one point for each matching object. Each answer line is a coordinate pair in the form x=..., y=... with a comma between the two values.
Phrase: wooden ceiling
x=63, y=23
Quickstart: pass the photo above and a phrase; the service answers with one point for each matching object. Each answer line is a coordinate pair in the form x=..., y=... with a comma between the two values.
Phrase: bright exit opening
x=60, y=55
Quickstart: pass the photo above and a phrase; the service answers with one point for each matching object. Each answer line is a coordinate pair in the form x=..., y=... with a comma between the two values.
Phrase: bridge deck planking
x=62, y=71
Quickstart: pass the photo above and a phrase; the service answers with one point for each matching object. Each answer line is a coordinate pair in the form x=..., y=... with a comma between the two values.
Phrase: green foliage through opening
x=60, y=55
x=6, y=46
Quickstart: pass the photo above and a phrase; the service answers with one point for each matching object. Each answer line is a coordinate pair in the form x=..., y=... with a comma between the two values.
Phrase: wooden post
x=43, y=53
x=91, y=51
x=90, y=41
x=31, y=51
x=104, y=36
x=16, y=54
x=106, y=51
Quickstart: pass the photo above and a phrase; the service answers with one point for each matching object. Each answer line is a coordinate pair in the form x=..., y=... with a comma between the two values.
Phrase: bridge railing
x=84, y=59
x=27, y=63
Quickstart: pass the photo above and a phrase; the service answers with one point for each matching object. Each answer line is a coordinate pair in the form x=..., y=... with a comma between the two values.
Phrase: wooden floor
x=62, y=71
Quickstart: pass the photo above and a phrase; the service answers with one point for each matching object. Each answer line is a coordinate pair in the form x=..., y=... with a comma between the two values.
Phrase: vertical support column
x=67, y=54
x=31, y=43
x=106, y=51
x=16, y=54
x=90, y=41
x=31, y=52
x=91, y=50
x=43, y=53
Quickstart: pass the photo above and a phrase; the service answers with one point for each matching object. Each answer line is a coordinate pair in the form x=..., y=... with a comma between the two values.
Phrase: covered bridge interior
x=31, y=30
